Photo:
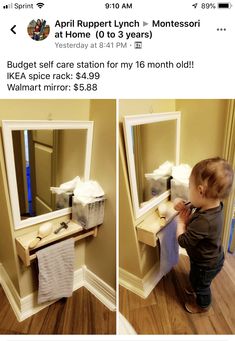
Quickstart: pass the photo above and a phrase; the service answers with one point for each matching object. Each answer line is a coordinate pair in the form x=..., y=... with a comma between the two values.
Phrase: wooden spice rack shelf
x=148, y=229
x=74, y=230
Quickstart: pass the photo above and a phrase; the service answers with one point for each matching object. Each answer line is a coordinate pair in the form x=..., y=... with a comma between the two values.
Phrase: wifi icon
x=40, y=4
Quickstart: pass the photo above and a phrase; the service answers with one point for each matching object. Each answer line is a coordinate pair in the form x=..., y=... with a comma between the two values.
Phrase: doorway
x=229, y=154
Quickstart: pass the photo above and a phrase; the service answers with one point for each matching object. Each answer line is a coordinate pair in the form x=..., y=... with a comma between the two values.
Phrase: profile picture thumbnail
x=38, y=29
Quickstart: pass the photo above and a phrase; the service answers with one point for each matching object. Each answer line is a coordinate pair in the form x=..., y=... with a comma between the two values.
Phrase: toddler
x=200, y=232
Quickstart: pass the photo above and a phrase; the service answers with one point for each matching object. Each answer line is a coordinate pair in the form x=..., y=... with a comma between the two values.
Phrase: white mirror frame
x=129, y=122
x=7, y=128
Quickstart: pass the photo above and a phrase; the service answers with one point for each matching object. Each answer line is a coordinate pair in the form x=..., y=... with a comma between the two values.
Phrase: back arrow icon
x=12, y=29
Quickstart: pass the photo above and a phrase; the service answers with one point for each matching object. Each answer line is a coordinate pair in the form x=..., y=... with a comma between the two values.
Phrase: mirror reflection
x=153, y=145
x=44, y=159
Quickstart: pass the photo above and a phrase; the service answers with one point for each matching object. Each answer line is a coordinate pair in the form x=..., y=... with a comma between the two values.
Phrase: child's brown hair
x=216, y=176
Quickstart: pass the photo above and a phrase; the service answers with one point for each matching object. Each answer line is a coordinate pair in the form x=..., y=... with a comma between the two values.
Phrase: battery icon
x=224, y=5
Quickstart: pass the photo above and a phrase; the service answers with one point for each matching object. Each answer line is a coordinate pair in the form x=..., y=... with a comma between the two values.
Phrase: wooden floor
x=163, y=311
x=80, y=314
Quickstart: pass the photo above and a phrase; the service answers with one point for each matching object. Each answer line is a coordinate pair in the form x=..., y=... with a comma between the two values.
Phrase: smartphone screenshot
x=117, y=159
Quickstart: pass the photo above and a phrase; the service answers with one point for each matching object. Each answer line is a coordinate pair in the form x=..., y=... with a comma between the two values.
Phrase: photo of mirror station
x=58, y=217
x=176, y=216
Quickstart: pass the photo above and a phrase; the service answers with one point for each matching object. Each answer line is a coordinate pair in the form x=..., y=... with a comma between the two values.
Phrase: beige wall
x=129, y=254
x=25, y=279
x=202, y=136
x=69, y=167
x=158, y=144
x=51, y=109
x=145, y=106
x=7, y=251
x=202, y=128
x=100, y=255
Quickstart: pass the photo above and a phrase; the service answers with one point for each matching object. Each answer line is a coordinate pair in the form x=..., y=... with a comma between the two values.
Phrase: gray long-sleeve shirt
x=202, y=239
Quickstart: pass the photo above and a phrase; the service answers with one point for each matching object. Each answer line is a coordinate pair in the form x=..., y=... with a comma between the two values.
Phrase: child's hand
x=179, y=204
x=183, y=216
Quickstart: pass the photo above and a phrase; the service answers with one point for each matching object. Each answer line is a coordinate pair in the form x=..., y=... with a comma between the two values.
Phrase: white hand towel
x=169, y=248
x=56, y=269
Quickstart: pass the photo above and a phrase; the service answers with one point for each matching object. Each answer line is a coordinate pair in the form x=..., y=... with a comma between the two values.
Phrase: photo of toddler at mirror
x=58, y=216
x=199, y=231
x=176, y=209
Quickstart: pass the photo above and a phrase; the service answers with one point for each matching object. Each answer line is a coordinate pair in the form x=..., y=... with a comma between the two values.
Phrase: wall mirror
x=151, y=140
x=40, y=155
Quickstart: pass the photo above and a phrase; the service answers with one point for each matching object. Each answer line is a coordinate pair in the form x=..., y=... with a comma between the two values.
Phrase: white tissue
x=182, y=173
x=71, y=185
x=165, y=169
x=88, y=191
x=66, y=186
x=57, y=190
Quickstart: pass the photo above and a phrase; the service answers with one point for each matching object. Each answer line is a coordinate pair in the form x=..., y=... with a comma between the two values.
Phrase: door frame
x=229, y=155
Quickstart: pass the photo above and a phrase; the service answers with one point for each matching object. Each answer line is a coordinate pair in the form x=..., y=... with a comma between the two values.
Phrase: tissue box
x=160, y=185
x=63, y=200
x=90, y=214
x=179, y=190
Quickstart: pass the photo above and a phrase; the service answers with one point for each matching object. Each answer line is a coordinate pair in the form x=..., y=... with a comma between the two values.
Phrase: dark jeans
x=201, y=278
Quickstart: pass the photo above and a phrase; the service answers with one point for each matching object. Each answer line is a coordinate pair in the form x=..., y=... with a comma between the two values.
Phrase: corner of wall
x=8, y=256
x=100, y=253
x=27, y=306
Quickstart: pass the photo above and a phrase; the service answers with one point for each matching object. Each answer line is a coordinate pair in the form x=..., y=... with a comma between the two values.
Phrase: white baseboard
x=151, y=279
x=131, y=282
x=27, y=306
x=140, y=286
x=101, y=290
x=78, y=279
x=10, y=291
